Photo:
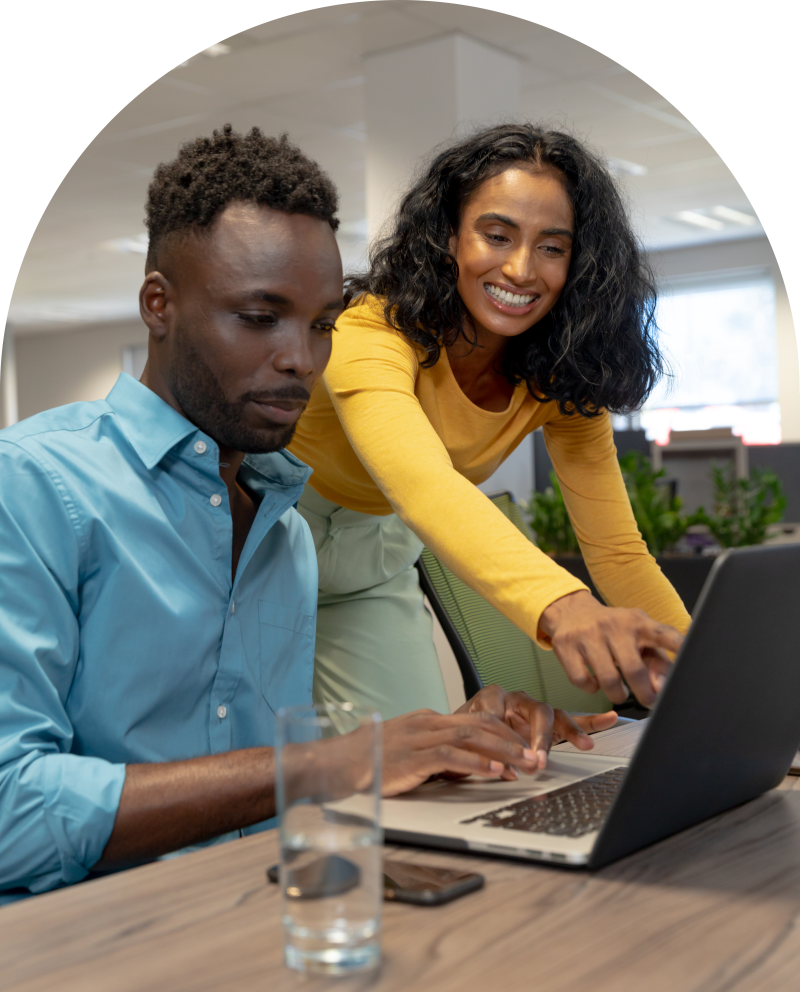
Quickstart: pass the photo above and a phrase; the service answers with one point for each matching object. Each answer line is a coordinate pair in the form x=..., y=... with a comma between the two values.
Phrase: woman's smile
x=509, y=300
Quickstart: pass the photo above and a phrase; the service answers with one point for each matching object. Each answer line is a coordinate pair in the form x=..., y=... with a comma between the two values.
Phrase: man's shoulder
x=70, y=418
x=52, y=429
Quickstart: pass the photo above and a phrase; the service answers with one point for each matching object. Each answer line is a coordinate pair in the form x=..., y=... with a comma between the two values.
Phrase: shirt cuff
x=81, y=798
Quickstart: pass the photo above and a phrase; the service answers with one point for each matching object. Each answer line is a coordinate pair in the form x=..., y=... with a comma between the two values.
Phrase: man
x=158, y=587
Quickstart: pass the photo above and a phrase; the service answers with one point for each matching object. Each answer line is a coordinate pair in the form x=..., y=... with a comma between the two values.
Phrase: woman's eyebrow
x=550, y=232
x=502, y=218
x=553, y=231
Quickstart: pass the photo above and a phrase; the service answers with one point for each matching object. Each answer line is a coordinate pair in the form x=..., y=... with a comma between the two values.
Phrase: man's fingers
x=492, y=746
x=490, y=699
x=568, y=728
x=593, y=723
x=542, y=719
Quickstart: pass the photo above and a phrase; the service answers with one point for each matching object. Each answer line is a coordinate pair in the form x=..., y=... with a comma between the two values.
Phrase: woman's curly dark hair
x=597, y=347
x=209, y=173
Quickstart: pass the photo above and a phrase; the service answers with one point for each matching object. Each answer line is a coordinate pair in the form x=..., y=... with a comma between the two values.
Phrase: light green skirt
x=374, y=634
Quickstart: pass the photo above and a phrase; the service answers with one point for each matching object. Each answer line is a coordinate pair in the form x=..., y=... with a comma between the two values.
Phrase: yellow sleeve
x=370, y=380
x=622, y=569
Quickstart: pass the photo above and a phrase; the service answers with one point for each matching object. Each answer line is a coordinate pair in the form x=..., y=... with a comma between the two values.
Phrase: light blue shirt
x=122, y=637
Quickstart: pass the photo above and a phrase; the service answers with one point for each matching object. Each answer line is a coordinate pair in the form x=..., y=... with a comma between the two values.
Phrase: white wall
x=2, y=388
x=60, y=367
x=747, y=254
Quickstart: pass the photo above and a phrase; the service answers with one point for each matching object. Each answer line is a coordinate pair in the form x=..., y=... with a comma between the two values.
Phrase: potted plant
x=743, y=510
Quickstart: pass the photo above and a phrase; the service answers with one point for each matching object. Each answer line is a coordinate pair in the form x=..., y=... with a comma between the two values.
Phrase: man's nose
x=294, y=355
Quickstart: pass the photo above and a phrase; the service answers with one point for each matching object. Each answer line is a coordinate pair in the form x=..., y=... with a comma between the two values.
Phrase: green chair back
x=489, y=648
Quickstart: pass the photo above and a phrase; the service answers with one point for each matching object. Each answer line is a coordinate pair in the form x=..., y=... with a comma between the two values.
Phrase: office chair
x=488, y=647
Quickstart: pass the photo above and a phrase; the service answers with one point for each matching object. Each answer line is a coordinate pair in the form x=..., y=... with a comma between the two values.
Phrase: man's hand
x=537, y=723
x=604, y=647
x=424, y=743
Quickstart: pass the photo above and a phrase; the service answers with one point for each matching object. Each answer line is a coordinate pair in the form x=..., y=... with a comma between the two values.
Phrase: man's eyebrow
x=265, y=297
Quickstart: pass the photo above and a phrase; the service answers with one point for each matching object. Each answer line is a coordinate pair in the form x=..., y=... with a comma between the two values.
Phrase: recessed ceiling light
x=699, y=220
x=218, y=48
x=734, y=216
x=622, y=167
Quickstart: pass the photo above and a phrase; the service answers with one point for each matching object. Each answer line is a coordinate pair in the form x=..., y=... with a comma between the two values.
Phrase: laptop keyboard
x=571, y=811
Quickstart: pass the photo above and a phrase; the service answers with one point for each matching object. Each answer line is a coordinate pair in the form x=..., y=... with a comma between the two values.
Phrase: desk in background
x=711, y=910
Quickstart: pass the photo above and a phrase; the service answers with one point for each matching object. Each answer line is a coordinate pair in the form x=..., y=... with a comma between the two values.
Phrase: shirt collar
x=276, y=468
x=150, y=424
x=153, y=428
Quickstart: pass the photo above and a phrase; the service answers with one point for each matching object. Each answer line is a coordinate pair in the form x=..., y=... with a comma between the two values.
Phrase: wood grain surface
x=713, y=909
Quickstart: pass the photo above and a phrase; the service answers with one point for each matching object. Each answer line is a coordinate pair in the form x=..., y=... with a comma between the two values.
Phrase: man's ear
x=155, y=297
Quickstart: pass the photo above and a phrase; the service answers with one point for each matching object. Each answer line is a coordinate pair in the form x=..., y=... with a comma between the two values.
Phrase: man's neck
x=230, y=462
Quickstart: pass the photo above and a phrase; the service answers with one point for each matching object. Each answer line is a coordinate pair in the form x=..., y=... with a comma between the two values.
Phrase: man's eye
x=325, y=328
x=265, y=319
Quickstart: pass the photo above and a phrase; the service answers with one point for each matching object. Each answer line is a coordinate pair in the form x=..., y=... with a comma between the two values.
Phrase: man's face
x=248, y=313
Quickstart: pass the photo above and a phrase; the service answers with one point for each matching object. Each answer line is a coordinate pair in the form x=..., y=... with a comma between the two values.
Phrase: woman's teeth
x=510, y=299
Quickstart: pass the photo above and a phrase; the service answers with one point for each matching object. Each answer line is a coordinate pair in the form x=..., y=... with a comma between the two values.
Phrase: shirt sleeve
x=370, y=380
x=57, y=809
x=624, y=572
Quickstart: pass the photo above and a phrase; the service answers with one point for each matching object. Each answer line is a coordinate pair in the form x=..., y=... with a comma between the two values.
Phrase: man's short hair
x=209, y=173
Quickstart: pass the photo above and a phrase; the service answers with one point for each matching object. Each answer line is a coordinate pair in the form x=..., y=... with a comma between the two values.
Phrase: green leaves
x=743, y=508
x=656, y=510
x=550, y=521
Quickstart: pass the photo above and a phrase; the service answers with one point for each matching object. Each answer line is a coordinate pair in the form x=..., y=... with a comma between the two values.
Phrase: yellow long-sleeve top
x=383, y=434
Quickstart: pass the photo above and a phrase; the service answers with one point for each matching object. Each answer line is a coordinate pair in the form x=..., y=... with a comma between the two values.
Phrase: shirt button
x=215, y=500
x=222, y=712
x=200, y=447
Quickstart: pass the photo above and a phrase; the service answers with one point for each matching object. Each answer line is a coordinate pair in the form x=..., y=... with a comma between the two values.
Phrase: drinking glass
x=331, y=871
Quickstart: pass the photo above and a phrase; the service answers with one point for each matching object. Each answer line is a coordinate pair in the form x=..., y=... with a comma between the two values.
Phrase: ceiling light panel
x=734, y=216
x=699, y=220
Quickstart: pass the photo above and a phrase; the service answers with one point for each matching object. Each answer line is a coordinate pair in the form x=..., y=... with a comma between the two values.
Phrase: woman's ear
x=452, y=244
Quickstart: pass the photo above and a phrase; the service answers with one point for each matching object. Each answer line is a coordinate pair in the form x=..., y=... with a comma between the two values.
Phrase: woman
x=511, y=294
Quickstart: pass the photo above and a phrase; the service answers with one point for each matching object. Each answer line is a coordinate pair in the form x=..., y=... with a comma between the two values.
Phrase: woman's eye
x=325, y=328
x=497, y=239
x=553, y=250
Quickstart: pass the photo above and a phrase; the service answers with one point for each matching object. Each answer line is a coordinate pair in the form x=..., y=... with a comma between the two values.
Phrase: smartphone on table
x=421, y=885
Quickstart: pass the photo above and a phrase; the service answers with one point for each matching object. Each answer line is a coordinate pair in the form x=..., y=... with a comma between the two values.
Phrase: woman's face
x=513, y=249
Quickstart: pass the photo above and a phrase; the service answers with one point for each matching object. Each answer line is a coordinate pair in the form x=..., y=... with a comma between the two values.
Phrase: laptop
x=724, y=730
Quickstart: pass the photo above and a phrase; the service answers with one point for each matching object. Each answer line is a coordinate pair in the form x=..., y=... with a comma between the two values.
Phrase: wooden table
x=714, y=909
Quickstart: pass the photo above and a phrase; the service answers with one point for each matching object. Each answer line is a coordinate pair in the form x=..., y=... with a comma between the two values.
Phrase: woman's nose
x=519, y=266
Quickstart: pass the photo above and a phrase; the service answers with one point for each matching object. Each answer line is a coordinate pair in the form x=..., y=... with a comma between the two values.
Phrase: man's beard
x=203, y=401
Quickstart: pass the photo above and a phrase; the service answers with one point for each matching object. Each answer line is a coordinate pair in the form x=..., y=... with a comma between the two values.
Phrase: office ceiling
x=303, y=74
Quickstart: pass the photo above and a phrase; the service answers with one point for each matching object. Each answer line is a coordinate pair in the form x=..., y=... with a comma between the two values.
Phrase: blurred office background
x=368, y=89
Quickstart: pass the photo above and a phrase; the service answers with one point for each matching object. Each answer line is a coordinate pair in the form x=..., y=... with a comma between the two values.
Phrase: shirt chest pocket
x=286, y=649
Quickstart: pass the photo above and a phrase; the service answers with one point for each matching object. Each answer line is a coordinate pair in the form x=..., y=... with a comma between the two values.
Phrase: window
x=719, y=340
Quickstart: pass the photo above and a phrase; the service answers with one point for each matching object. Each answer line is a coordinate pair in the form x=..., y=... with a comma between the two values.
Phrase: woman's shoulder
x=366, y=309
x=365, y=318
